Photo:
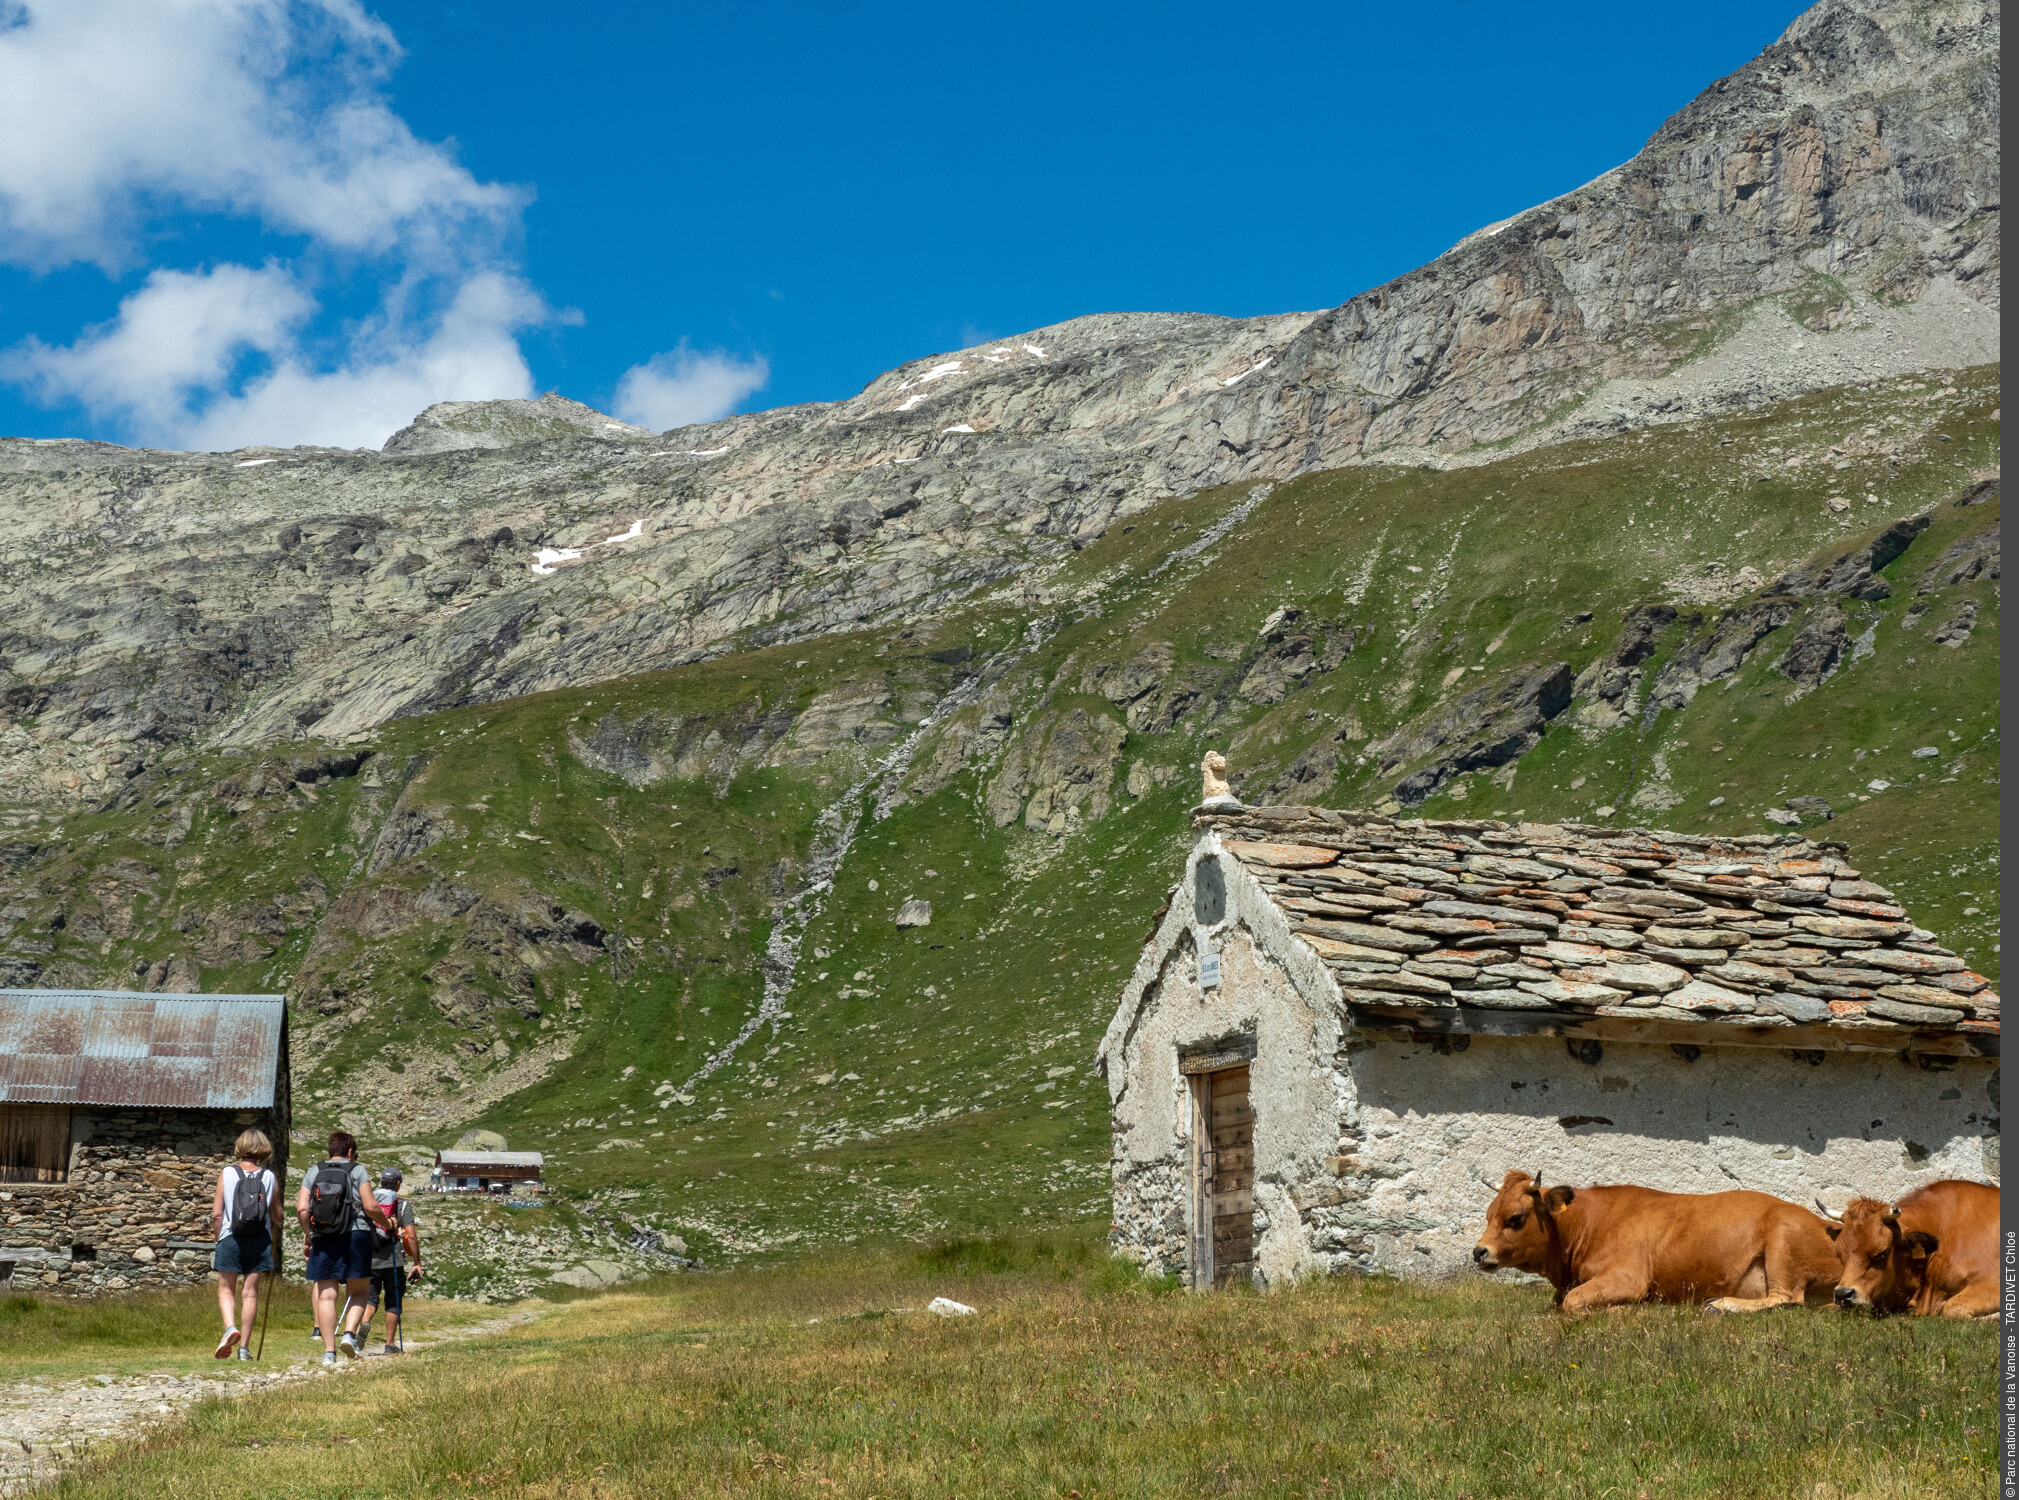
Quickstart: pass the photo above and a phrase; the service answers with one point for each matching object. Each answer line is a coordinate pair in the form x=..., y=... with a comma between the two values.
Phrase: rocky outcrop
x=972, y=737
x=1817, y=648
x=1964, y=560
x=1853, y=573
x=409, y=832
x=1955, y=630
x=450, y=425
x=1059, y=773
x=1152, y=688
x=1720, y=651
x=1487, y=727
x=1609, y=682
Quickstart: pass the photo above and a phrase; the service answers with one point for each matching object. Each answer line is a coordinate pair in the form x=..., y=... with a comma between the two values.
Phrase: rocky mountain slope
x=1828, y=213
x=572, y=780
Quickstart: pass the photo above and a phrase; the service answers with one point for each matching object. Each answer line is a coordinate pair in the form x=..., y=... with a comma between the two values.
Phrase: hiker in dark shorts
x=337, y=1209
x=245, y=1212
x=389, y=1260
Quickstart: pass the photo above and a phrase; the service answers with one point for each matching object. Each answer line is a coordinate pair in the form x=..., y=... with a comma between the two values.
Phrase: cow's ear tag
x=1557, y=1197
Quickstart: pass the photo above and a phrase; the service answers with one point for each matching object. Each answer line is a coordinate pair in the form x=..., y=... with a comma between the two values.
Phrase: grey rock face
x=1479, y=730
x=1964, y=560
x=496, y=549
x=1607, y=683
x=1853, y=572
x=1721, y=651
x=449, y=425
x=1058, y=772
x=1817, y=649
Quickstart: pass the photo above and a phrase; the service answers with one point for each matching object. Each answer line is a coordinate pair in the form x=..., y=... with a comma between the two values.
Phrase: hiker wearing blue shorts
x=245, y=1212
x=337, y=1209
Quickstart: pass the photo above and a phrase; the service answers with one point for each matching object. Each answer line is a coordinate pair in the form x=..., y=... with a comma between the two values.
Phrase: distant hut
x=116, y=1112
x=487, y=1171
x=1347, y=1028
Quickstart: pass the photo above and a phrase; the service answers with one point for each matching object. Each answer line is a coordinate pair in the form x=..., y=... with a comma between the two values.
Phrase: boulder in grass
x=946, y=1307
x=915, y=913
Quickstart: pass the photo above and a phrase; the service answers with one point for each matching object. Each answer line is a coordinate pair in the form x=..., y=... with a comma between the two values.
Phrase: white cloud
x=110, y=107
x=469, y=354
x=119, y=118
x=183, y=334
x=169, y=368
x=679, y=387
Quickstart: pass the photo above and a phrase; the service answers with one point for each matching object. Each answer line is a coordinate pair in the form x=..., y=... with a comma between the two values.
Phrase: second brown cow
x=1934, y=1253
x=1609, y=1246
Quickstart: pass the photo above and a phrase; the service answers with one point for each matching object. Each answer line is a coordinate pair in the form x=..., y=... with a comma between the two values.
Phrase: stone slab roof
x=476, y=1160
x=1441, y=921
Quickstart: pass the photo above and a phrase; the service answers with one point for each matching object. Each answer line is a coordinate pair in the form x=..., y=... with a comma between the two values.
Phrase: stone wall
x=135, y=1212
x=1431, y=1127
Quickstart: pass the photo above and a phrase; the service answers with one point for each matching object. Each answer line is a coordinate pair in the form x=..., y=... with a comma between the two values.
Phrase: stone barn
x=116, y=1112
x=1347, y=1028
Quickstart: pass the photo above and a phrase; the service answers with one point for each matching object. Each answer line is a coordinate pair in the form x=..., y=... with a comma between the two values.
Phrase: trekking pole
x=266, y=1312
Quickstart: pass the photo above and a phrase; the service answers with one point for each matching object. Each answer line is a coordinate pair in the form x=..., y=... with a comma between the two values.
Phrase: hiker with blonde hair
x=245, y=1212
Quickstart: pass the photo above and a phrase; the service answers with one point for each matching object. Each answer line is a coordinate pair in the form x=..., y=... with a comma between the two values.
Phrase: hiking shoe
x=328, y=1360
x=244, y=1353
x=349, y=1346
x=226, y=1344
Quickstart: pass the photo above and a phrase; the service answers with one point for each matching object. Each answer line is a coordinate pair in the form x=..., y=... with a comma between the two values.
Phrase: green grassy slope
x=565, y=957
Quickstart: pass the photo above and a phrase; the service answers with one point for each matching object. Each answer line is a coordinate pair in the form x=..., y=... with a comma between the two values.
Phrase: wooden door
x=1233, y=1133
x=1223, y=1179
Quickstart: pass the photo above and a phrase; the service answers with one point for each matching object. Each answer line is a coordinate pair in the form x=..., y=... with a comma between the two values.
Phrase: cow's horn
x=1824, y=1209
x=1893, y=1212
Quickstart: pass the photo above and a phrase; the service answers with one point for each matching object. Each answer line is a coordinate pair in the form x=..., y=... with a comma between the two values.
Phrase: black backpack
x=248, y=1202
x=330, y=1197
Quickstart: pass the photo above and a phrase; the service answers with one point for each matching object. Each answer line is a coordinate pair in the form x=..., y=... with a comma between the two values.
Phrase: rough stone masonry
x=1422, y=1005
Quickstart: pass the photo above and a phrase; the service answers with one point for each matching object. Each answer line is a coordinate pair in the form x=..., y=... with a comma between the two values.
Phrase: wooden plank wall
x=34, y=1142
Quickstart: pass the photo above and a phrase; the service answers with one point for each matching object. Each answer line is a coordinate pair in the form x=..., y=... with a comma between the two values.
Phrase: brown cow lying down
x=1933, y=1253
x=1608, y=1246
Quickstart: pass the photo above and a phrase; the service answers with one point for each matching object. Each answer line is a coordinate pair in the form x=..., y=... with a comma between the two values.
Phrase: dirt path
x=47, y=1424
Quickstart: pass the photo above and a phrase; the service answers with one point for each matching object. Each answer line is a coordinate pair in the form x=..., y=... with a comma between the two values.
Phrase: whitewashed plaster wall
x=1292, y=1082
x=1439, y=1131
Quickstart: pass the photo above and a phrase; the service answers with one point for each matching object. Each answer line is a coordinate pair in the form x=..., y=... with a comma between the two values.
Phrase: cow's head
x=1520, y=1225
x=1883, y=1266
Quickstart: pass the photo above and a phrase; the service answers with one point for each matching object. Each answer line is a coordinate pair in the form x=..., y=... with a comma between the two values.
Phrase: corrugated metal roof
x=114, y=1047
x=474, y=1159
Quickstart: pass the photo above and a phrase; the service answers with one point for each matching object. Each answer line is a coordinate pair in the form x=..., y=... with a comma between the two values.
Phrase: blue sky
x=226, y=222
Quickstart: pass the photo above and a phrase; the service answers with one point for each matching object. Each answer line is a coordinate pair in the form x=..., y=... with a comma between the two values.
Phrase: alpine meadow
x=761, y=820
